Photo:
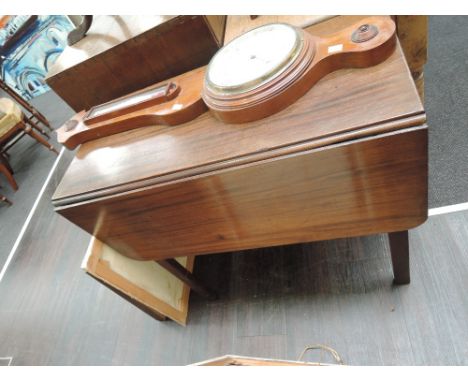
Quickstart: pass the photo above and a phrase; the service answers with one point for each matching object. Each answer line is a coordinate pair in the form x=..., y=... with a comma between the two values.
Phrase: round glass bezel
x=260, y=80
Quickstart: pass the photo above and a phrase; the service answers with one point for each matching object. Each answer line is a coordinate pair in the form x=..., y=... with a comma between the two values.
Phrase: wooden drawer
x=143, y=283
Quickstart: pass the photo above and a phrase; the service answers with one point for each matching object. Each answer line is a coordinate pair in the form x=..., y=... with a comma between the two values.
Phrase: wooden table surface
x=345, y=104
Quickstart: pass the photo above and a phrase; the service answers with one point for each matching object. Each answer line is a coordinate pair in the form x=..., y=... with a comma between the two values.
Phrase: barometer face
x=254, y=58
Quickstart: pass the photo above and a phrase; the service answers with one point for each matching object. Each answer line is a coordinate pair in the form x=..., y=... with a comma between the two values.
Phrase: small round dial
x=254, y=58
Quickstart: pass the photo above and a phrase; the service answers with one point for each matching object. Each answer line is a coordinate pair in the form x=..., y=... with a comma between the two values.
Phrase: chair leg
x=399, y=248
x=41, y=119
x=4, y=170
x=37, y=127
x=4, y=160
x=28, y=130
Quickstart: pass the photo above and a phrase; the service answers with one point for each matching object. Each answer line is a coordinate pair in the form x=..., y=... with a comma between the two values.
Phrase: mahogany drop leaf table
x=348, y=158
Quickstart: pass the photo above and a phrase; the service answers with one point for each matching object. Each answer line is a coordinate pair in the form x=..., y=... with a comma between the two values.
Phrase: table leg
x=399, y=248
x=174, y=267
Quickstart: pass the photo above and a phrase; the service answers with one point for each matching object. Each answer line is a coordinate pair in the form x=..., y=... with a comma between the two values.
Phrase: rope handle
x=333, y=352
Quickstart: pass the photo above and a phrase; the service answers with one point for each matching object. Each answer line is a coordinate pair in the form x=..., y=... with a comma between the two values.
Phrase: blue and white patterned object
x=26, y=63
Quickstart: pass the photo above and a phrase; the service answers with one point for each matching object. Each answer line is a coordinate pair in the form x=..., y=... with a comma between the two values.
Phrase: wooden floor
x=273, y=302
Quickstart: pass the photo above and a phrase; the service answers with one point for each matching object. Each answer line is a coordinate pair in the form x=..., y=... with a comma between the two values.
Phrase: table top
x=344, y=105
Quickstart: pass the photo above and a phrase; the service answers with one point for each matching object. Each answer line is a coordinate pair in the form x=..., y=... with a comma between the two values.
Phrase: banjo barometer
x=252, y=77
x=269, y=68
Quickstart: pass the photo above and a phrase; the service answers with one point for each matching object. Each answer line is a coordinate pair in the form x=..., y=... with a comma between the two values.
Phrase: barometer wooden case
x=256, y=75
x=270, y=67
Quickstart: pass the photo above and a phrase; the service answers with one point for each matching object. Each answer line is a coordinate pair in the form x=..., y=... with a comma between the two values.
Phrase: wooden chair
x=35, y=116
x=14, y=125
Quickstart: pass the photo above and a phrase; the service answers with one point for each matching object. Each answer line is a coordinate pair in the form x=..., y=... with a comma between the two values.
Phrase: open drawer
x=143, y=283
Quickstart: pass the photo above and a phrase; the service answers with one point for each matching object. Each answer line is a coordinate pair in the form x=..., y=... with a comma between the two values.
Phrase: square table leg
x=399, y=248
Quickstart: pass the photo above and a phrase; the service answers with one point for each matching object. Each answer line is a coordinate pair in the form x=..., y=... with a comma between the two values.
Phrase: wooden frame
x=237, y=360
x=132, y=289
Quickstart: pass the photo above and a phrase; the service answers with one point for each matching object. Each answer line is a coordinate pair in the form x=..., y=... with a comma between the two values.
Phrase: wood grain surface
x=318, y=57
x=106, y=32
x=234, y=360
x=413, y=34
x=367, y=186
x=143, y=284
x=359, y=102
x=101, y=66
x=239, y=24
x=320, y=169
x=399, y=248
x=184, y=106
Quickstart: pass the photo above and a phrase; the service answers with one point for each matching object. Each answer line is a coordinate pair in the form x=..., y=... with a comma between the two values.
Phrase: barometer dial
x=254, y=58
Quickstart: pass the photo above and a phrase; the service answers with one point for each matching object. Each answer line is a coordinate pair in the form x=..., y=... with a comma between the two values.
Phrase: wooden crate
x=237, y=360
